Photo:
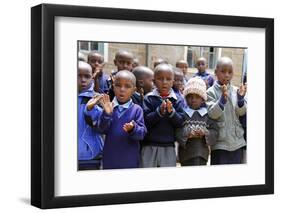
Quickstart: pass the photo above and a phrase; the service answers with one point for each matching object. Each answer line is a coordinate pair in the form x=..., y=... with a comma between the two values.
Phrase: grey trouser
x=157, y=156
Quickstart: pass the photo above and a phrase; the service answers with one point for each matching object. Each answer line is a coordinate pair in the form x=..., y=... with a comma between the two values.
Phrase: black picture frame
x=43, y=105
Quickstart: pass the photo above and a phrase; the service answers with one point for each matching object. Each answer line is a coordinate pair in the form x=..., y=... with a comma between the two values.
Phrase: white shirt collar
x=172, y=94
x=126, y=105
x=202, y=111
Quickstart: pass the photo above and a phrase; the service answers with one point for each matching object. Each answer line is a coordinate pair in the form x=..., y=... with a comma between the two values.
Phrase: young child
x=162, y=113
x=96, y=60
x=159, y=61
x=199, y=131
x=123, y=124
x=123, y=61
x=201, y=65
x=183, y=65
x=144, y=77
x=136, y=63
x=90, y=143
x=225, y=105
x=178, y=85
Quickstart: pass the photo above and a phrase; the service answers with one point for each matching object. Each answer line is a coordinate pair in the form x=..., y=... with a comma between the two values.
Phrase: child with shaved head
x=144, y=83
x=162, y=112
x=90, y=143
x=123, y=61
x=96, y=60
x=225, y=105
x=123, y=124
x=183, y=65
x=201, y=65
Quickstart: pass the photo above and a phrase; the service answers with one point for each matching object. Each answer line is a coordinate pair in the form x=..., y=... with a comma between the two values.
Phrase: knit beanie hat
x=197, y=86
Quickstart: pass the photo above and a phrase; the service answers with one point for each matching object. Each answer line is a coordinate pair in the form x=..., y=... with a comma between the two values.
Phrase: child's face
x=96, y=61
x=224, y=73
x=163, y=80
x=194, y=101
x=84, y=78
x=201, y=65
x=178, y=82
x=123, y=89
x=124, y=62
x=183, y=67
x=148, y=83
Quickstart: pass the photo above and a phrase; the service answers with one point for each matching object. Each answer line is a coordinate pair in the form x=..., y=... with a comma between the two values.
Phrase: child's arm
x=216, y=106
x=151, y=117
x=106, y=116
x=241, y=107
x=182, y=135
x=175, y=114
x=136, y=128
x=213, y=132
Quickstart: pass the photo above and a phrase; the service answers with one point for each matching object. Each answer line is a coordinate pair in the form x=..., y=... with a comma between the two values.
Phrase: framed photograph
x=84, y=71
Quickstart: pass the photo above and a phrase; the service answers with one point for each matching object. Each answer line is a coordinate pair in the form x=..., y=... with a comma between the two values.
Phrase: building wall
x=147, y=54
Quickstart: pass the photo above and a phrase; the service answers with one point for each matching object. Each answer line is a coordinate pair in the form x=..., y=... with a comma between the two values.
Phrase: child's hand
x=163, y=108
x=93, y=101
x=242, y=90
x=128, y=127
x=224, y=91
x=199, y=133
x=169, y=106
x=106, y=104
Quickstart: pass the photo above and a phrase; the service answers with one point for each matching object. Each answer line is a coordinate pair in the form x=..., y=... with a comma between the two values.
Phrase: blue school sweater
x=180, y=97
x=136, y=98
x=121, y=149
x=161, y=129
x=205, y=76
x=90, y=143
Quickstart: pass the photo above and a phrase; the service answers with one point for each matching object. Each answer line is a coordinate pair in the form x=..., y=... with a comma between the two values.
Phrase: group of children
x=134, y=117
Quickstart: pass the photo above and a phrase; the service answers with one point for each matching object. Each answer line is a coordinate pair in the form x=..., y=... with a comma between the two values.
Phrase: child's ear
x=114, y=62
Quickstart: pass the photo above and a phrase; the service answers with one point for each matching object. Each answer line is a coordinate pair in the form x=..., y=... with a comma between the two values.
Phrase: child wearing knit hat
x=199, y=131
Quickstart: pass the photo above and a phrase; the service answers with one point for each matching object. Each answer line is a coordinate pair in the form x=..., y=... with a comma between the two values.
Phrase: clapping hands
x=128, y=127
x=166, y=106
x=106, y=104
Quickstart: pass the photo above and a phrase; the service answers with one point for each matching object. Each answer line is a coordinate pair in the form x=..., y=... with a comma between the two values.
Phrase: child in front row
x=90, y=143
x=225, y=104
x=199, y=131
x=123, y=124
x=162, y=114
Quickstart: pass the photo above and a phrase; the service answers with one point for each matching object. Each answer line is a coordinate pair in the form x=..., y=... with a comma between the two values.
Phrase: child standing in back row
x=144, y=83
x=201, y=65
x=162, y=111
x=225, y=104
x=199, y=131
x=96, y=60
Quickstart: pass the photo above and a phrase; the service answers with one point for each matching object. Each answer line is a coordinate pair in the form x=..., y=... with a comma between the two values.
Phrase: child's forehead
x=224, y=66
x=124, y=79
x=95, y=55
x=201, y=60
x=84, y=70
x=161, y=72
x=178, y=75
x=125, y=56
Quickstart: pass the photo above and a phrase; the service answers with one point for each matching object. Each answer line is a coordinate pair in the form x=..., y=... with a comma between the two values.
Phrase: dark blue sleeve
x=104, y=122
x=151, y=116
x=177, y=117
